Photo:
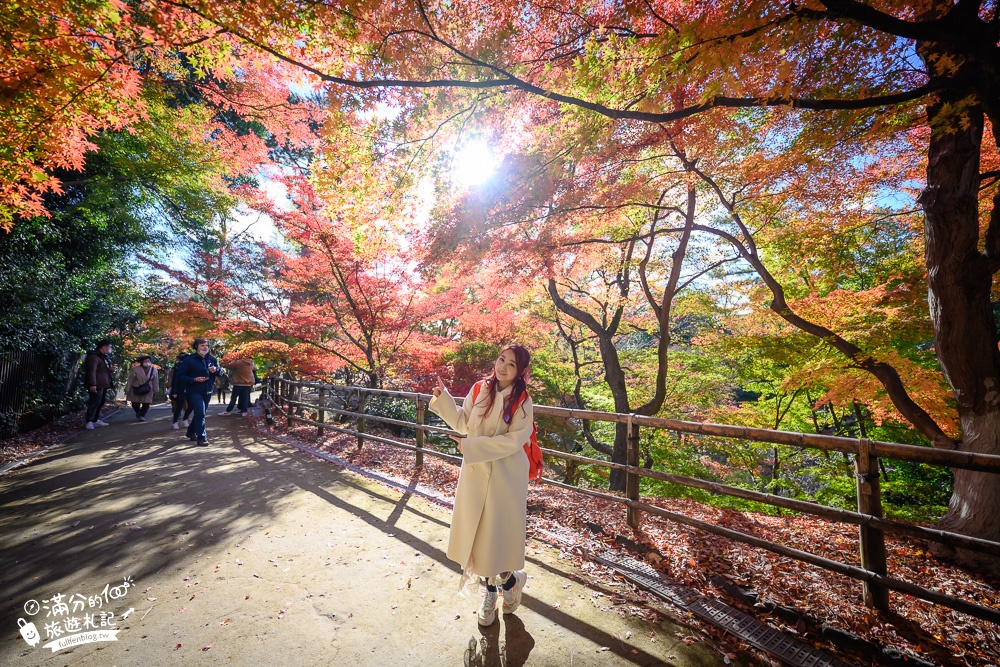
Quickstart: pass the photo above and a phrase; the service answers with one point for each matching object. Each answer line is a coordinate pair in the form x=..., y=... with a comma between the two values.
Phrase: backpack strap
x=475, y=394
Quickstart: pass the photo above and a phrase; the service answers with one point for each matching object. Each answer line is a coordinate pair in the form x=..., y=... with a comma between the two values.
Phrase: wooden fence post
x=289, y=408
x=420, y=431
x=632, y=479
x=361, y=420
x=872, y=539
x=322, y=412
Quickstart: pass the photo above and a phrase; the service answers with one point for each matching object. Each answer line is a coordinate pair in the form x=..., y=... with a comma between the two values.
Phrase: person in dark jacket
x=178, y=396
x=97, y=379
x=198, y=373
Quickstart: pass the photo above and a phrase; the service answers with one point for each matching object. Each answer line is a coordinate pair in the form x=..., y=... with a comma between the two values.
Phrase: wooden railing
x=288, y=396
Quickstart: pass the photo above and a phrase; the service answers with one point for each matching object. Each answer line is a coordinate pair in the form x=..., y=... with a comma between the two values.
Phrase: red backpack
x=531, y=448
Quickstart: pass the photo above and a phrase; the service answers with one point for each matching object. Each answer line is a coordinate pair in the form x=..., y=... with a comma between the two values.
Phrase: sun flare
x=474, y=162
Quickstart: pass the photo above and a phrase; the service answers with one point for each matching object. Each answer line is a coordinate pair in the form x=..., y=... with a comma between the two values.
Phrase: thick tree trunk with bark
x=960, y=277
x=974, y=508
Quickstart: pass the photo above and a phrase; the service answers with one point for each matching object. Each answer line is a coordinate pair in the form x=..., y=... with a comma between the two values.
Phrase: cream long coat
x=488, y=523
x=136, y=377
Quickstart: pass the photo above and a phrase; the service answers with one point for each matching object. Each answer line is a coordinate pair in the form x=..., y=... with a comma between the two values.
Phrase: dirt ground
x=249, y=552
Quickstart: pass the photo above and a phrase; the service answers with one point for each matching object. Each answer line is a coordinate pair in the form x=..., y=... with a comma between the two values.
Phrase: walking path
x=249, y=552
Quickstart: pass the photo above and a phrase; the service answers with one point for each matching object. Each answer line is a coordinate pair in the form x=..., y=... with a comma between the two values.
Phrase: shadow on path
x=250, y=545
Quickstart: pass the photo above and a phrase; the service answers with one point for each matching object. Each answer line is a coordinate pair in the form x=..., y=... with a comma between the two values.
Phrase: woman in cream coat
x=144, y=371
x=488, y=523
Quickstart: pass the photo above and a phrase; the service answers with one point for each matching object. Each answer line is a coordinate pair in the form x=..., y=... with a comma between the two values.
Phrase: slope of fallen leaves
x=820, y=598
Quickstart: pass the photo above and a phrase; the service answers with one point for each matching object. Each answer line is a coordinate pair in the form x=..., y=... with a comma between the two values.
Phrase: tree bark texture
x=960, y=278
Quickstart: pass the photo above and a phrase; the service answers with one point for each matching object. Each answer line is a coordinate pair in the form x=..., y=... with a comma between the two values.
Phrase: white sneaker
x=186, y=423
x=175, y=426
x=102, y=423
x=89, y=426
x=488, y=610
x=512, y=598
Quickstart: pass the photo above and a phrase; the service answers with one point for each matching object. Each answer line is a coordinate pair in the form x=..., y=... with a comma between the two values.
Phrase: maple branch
x=886, y=374
x=329, y=350
x=988, y=175
x=236, y=103
x=623, y=286
x=951, y=27
x=605, y=241
x=364, y=347
x=508, y=80
x=711, y=267
x=643, y=281
x=612, y=369
x=728, y=203
x=574, y=344
x=423, y=142
x=659, y=18
x=355, y=311
x=654, y=404
x=781, y=416
x=551, y=211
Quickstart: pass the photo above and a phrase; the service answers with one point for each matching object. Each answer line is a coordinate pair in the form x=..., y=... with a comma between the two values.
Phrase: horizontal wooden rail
x=802, y=506
x=368, y=415
x=868, y=518
x=374, y=438
x=890, y=450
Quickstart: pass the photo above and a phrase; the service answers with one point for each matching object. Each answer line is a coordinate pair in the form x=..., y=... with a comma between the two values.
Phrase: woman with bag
x=489, y=520
x=143, y=382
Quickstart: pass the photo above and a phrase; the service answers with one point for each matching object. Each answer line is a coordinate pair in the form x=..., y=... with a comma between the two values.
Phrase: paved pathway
x=249, y=552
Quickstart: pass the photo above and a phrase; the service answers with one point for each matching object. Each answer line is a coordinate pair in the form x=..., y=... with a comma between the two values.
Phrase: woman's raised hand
x=438, y=389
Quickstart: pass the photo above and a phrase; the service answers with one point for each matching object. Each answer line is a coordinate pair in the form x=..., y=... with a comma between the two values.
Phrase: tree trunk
x=615, y=377
x=613, y=373
x=973, y=509
x=960, y=277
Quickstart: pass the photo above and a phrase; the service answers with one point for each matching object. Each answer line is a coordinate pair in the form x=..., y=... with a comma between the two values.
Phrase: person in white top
x=489, y=520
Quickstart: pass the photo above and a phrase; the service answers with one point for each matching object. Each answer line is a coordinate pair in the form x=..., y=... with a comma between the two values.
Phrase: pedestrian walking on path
x=178, y=396
x=221, y=389
x=97, y=379
x=198, y=373
x=243, y=374
x=489, y=520
x=143, y=383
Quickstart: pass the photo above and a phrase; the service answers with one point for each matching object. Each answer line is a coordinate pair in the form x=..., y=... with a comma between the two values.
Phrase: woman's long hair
x=520, y=386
